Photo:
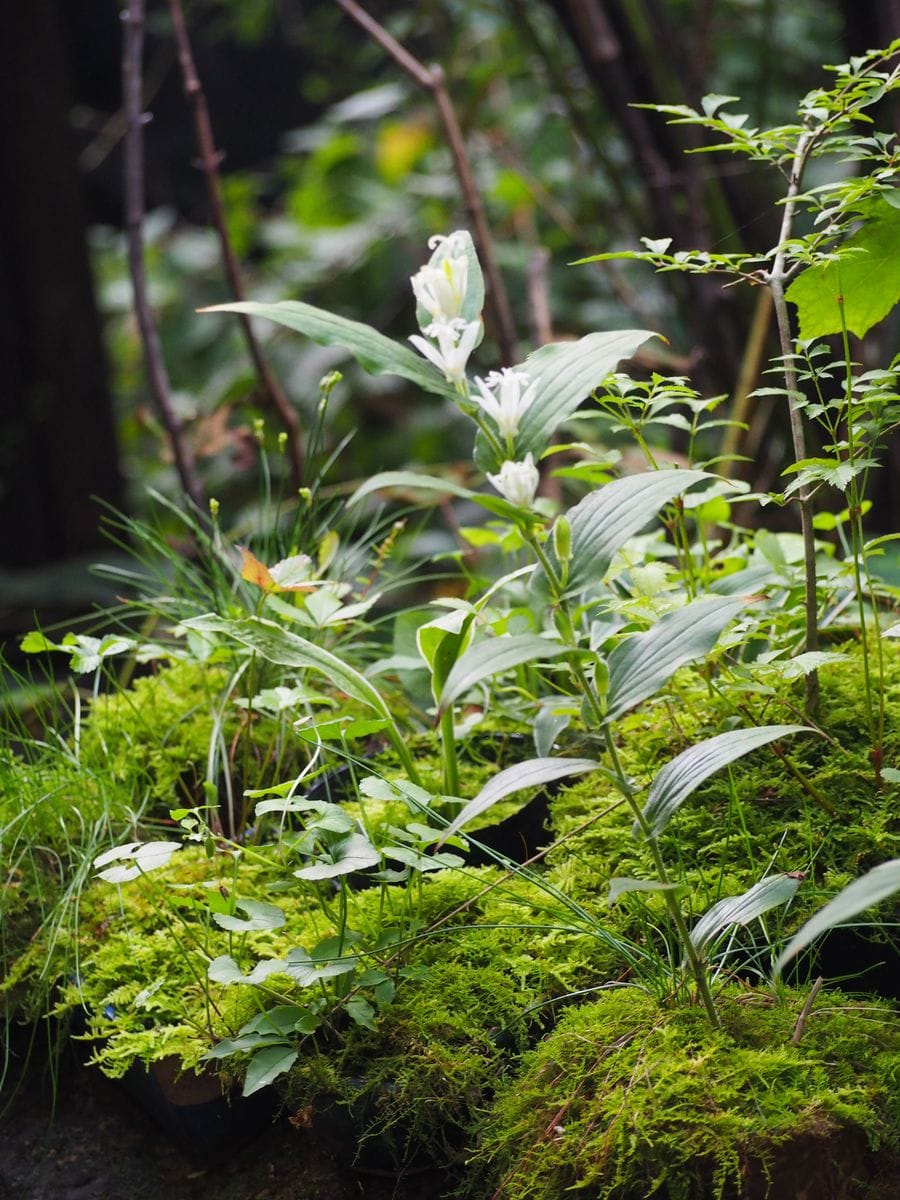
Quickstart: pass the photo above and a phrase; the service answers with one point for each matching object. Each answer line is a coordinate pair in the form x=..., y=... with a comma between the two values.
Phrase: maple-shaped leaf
x=864, y=275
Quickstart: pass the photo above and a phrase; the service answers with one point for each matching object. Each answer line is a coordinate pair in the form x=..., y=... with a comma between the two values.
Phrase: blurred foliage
x=339, y=217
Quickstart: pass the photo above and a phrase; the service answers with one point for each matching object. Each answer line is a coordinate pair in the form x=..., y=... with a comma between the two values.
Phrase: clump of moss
x=624, y=1101
x=745, y=822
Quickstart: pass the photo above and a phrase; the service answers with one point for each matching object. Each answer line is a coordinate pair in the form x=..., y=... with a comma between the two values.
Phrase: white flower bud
x=518, y=482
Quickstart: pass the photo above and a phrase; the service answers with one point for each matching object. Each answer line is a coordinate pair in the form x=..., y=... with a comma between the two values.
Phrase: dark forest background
x=335, y=172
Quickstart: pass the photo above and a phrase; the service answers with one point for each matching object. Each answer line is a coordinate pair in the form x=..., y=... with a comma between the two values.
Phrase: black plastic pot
x=206, y=1123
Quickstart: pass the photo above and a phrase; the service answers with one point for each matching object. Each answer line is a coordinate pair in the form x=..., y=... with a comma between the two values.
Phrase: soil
x=83, y=1137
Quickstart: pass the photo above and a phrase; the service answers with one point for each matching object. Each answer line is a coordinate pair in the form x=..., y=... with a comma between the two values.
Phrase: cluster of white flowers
x=440, y=289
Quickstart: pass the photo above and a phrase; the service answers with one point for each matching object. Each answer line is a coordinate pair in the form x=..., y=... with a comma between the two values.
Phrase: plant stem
x=694, y=961
x=628, y=792
x=157, y=375
x=448, y=752
x=857, y=547
x=775, y=280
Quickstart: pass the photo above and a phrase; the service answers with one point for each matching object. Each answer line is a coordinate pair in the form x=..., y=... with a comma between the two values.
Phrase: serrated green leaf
x=866, y=274
x=684, y=774
x=741, y=910
x=603, y=521
x=641, y=665
x=374, y=352
x=534, y=773
x=870, y=889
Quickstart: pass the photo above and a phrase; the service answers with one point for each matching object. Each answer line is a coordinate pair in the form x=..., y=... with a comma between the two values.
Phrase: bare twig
x=132, y=96
x=209, y=163
x=539, y=296
x=432, y=80
x=805, y=1011
x=751, y=365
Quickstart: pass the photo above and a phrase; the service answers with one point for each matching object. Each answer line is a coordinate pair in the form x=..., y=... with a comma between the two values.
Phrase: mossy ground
x=625, y=1100
x=493, y=957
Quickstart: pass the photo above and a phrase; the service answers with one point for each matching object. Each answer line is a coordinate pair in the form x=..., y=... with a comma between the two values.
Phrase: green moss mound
x=626, y=1101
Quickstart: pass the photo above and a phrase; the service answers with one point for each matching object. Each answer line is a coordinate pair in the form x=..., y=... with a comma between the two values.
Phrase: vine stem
x=775, y=280
x=209, y=164
x=432, y=79
x=157, y=375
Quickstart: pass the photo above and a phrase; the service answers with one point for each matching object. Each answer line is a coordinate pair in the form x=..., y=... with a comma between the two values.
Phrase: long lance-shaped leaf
x=374, y=352
x=492, y=656
x=640, y=666
x=286, y=649
x=529, y=774
x=684, y=774
x=741, y=910
x=603, y=521
x=413, y=481
x=566, y=373
x=863, y=893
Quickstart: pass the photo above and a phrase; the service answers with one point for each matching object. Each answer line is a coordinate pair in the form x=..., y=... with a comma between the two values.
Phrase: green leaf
x=267, y=1065
x=410, y=481
x=373, y=351
x=361, y=1012
x=288, y=649
x=492, y=656
x=624, y=883
x=35, y=642
x=351, y=853
x=684, y=774
x=863, y=893
x=566, y=373
x=441, y=641
x=603, y=521
x=225, y=970
x=529, y=774
x=741, y=910
x=259, y=916
x=639, y=666
x=868, y=278
x=134, y=859
x=308, y=971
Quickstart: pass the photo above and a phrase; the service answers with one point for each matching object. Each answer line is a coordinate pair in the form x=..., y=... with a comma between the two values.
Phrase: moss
x=744, y=822
x=625, y=1101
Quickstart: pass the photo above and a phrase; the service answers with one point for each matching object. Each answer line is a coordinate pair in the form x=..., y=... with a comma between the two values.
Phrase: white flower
x=455, y=342
x=441, y=288
x=518, y=482
x=512, y=395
